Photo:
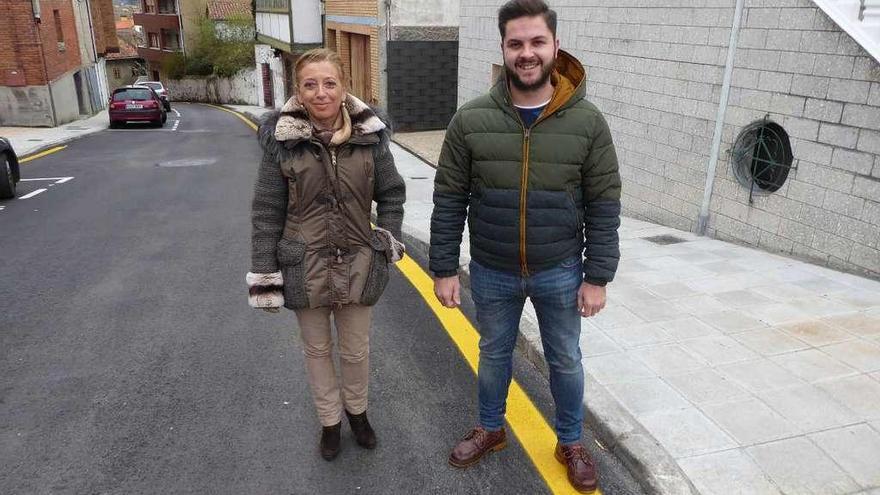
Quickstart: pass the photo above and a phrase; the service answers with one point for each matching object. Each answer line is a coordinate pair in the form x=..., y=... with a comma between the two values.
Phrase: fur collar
x=294, y=124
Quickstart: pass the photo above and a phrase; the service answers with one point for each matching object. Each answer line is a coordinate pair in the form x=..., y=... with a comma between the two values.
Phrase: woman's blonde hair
x=318, y=55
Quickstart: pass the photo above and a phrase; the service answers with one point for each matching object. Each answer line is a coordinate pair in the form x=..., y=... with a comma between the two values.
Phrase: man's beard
x=521, y=85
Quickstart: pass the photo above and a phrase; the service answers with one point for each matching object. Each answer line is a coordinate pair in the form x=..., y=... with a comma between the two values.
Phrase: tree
x=223, y=48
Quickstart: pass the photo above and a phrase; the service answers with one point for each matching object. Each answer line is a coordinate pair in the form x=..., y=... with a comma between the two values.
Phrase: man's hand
x=591, y=299
x=448, y=291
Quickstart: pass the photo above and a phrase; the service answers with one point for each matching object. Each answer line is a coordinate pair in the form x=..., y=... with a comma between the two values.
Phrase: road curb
x=255, y=119
x=60, y=142
x=614, y=426
x=413, y=152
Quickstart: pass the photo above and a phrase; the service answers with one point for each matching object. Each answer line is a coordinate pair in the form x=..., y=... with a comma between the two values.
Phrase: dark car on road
x=136, y=104
x=9, y=174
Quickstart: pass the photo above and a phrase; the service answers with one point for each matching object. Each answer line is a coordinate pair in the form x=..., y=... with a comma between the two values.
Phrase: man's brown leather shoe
x=476, y=444
x=580, y=466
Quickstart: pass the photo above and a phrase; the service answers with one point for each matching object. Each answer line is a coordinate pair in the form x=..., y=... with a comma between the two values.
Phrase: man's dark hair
x=514, y=9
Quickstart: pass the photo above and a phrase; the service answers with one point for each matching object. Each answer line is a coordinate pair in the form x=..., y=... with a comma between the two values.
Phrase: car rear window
x=132, y=94
x=152, y=85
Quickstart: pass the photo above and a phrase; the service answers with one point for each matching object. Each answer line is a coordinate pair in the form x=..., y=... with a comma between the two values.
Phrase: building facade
x=52, y=63
x=166, y=27
x=751, y=121
x=125, y=67
x=284, y=30
x=382, y=45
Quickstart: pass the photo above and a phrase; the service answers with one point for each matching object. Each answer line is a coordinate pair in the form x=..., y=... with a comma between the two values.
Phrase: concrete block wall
x=28, y=106
x=65, y=97
x=795, y=64
x=657, y=74
x=240, y=89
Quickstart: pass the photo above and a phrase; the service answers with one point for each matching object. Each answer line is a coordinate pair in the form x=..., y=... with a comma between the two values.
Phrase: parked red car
x=136, y=104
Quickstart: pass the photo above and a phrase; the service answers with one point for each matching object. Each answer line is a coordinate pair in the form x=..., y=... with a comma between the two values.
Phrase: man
x=532, y=167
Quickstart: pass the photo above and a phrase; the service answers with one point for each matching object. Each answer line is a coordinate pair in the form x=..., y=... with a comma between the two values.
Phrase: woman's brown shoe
x=363, y=432
x=330, y=440
x=580, y=466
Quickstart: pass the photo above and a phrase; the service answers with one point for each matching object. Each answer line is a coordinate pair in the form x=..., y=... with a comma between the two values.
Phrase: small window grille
x=761, y=157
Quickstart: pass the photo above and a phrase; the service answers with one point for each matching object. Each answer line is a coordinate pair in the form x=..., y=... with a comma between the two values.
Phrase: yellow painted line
x=233, y=112
x=41, y=154
x=536, y=436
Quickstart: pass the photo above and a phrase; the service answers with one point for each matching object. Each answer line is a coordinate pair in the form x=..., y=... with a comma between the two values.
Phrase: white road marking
x=175, y=112
x=58, y=180
x=31, y=195
x=176, y=123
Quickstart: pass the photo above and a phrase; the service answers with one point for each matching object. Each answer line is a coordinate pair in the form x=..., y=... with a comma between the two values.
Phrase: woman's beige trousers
x=352, y=323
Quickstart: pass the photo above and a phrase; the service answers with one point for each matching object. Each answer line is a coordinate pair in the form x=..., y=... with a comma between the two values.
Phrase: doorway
x=80, y=93
x=359, y=53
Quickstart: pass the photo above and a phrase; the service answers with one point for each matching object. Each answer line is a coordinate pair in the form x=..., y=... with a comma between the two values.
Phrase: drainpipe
x=91, y=30
x=703, y=219
x=35, y=4
x=388, y=20
x=95, y=53
x=323, y=22
x=179, y=27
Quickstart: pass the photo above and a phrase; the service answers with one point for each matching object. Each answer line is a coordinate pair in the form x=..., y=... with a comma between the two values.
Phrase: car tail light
x=116, y=105
x=151, y=104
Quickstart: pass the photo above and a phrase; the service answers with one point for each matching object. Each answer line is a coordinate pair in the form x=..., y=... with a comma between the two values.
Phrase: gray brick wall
x=657, y=73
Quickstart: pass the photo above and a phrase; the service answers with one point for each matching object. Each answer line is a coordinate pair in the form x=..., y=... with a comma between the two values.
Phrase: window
x=150, y=6
x=167, y=7
x=272, y=5
x=117, y=73
x=132, y=94
x=762, y=157
x=154, y=40
x=59, y=32
x=170, y=40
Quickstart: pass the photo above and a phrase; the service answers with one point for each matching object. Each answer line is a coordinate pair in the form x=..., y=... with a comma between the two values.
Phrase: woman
x=326, y=159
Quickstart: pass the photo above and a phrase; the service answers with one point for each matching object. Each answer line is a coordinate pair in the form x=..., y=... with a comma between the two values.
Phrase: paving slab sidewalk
x=30, y=140
x=715, y=368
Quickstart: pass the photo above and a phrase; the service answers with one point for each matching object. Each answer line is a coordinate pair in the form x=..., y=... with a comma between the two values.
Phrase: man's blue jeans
x=499, y=298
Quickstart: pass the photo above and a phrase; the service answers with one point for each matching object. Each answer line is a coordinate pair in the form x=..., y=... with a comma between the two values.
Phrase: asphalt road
x=131, y=363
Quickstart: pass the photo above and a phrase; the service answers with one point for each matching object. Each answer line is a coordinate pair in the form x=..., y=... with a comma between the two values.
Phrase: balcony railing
x=859, y=18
